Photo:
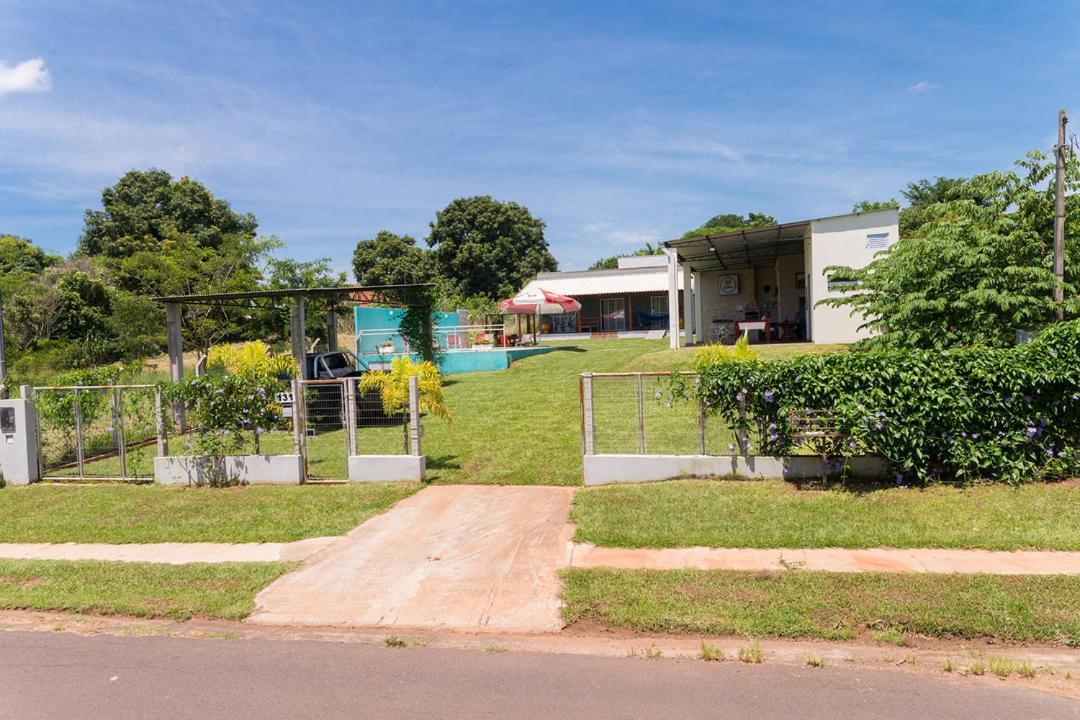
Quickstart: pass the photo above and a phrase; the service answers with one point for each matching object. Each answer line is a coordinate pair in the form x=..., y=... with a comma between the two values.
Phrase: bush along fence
x=226, y=429
x=905, y=416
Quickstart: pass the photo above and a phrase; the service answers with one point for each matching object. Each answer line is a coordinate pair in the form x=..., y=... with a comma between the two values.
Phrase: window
x=658, y=305
x=877, y=241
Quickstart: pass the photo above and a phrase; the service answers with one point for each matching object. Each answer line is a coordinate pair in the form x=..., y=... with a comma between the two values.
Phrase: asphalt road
x=60, y=676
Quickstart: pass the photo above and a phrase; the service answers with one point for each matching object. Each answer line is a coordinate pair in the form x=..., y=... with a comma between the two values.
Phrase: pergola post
x=297, y=333
x=331, y=326
x=688, y=305
x=699, y=321
x=673, y=298
x=175, y=345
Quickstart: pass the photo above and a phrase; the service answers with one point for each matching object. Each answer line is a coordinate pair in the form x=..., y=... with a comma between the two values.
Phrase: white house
x=777, y=273
x=723, y=283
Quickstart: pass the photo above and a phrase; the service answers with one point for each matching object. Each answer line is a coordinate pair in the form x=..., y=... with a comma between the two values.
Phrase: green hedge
x=965, y=414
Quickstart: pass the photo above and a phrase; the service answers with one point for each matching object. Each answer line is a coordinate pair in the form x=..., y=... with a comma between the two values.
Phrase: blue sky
x=615, y=122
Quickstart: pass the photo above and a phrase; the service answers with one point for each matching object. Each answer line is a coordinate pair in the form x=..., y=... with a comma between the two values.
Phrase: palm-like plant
x=393, y=387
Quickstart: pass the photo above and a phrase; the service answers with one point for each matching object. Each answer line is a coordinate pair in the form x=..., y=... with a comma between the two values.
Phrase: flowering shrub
x=966, y=414
x=222, y=408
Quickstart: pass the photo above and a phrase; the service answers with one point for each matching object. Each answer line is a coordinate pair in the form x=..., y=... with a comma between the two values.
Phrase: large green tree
x=729, y=222
x=482, y=246
x=389, y=259
x=976, y=266
x=147, y=208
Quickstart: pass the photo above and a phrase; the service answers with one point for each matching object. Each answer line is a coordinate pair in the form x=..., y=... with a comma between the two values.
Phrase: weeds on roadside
x=1000, y=666
x=711, y=652
x=751, y=653
x=494, y=649
x=652, y=652
x=977, y=668
x=947, y=665
x=395, y=641
x=890, y=636
x=815, y=661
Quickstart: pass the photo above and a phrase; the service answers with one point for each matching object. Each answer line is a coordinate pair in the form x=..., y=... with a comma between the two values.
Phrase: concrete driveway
x=468, y=557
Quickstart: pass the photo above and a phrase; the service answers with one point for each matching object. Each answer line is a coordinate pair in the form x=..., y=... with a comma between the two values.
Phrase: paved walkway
x=461, y=557
x=832, y=560
x=169, y=553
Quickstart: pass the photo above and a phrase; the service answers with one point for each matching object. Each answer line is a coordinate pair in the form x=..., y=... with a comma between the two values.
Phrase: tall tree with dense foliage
x=729, y=222
x=482, y=246
x=147, y=208
x=389, y=259
x=977, y=268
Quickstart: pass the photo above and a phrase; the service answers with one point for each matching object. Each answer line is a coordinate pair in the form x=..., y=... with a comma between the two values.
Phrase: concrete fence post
x=350, y=414
x=700, y=422
x=640, y=414
x=414, y=415
x=118, y=431
x=80, y=447
x=159, y=425
x=740, y=433
x=588, y=424
x=299, y=413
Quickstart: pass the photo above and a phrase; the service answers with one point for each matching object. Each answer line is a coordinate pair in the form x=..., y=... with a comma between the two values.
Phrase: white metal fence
x=114, y=432
x=652, y=413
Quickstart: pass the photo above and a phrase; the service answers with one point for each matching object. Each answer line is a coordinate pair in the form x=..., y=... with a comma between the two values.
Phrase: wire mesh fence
x=653, y=414
x=340, y=419
x=98, y=432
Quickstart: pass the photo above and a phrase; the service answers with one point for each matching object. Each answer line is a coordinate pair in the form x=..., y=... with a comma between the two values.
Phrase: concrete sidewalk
x=831, y=560
x=460, y=557
x=169, y=553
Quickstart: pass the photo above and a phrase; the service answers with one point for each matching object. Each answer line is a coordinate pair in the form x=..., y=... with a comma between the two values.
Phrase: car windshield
x=337, y=361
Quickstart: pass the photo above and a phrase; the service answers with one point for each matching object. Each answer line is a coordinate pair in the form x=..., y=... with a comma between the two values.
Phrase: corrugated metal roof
x=604, y=282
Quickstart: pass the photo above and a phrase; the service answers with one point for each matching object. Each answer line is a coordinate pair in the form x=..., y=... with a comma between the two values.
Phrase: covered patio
x=770, y=280
x=750, y=280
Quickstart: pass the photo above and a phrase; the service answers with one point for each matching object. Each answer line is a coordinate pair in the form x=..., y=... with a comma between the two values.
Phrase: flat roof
x=749, y=247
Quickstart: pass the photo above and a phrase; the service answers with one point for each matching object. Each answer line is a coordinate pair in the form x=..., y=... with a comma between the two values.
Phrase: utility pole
x=3, y=355
x=1059, y=218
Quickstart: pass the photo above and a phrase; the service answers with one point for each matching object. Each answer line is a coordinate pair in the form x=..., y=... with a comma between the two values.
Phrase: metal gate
x=99, y=432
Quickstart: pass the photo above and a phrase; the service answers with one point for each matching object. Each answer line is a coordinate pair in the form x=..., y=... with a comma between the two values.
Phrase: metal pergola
x=401, y=295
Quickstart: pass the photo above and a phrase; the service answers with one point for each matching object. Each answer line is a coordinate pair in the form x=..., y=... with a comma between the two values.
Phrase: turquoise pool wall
x=452, y=362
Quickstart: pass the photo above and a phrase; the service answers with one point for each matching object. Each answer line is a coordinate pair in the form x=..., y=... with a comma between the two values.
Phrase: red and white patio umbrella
x=538, y=301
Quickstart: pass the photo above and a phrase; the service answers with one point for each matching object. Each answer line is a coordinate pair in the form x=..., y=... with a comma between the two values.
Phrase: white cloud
x=27, y=76
x=920, y=87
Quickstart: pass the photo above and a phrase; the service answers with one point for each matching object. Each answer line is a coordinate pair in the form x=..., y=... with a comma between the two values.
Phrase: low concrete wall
x=246, y=469
x=607, y=469
x=386, y=468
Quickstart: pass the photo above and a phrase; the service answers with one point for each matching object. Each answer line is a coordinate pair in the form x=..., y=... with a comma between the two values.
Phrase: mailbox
x=18, y=443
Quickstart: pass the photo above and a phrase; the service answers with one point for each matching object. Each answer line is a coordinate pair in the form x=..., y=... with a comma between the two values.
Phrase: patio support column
x=175, y=344
x=699, y=321
x=673, y=298
x=296, y=336
x=688, y=305
x=331, y=326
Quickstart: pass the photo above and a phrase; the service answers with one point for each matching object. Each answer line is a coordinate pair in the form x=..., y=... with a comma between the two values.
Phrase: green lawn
x=118, y=513
x=773, y=514
x=827, y=605
x=522, y=425
x=225, y=590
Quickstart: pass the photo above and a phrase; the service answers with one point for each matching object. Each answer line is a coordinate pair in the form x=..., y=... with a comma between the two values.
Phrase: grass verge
x=834, y=606
x=151, y=514
x=775, y=514
x=225, y=590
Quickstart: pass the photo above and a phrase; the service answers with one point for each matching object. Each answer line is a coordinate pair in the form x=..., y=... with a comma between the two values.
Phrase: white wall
x=842, y=240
